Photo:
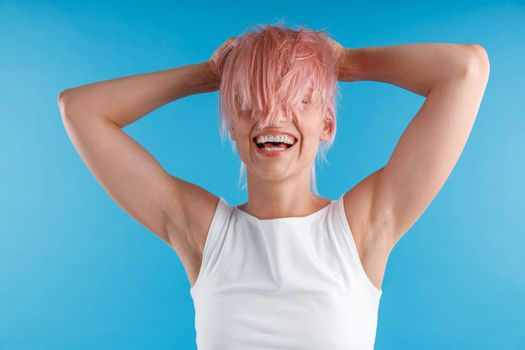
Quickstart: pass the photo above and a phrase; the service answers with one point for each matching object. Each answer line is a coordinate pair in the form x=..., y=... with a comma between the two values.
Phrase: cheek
x=240, y=129
x=312, y=129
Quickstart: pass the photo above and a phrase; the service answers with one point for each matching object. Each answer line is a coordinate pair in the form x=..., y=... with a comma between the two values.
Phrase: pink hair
x=273, y=68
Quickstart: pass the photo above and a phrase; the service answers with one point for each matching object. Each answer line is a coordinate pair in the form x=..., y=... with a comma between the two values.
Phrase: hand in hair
x=215, y=61
x=339, y=51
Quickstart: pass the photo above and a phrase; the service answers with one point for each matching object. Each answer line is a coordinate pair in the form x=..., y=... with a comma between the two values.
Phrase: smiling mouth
x=268, y=146
x=274, y=149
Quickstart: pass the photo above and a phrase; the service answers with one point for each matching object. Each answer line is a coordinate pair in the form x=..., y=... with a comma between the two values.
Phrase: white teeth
x=275, y=138
x=273, y=149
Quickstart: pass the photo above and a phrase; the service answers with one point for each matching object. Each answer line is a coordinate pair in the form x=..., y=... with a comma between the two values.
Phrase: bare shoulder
x=189, y=219
x=366, y=226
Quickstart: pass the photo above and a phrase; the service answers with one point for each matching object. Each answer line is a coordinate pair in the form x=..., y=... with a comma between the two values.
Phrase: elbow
x=480, y=54
x=64, y=100
x=61, y=101
x=477, y=61
x=61, y=96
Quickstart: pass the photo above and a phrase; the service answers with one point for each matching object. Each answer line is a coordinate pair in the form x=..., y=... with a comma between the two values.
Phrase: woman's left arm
x=453, y=78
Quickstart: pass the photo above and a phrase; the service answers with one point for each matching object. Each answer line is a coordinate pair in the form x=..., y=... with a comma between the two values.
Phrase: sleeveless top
x=293, y=283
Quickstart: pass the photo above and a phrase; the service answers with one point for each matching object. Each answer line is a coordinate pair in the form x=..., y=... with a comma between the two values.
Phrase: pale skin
x=380, y=209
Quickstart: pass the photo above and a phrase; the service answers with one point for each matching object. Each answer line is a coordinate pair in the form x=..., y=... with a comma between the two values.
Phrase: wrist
x=209, y=76
x=349, y=65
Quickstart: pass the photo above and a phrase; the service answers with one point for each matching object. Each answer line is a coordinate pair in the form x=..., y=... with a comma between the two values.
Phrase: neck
x=290, y=197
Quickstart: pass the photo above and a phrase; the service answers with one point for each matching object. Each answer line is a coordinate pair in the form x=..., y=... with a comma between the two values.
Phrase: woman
x=289, y=269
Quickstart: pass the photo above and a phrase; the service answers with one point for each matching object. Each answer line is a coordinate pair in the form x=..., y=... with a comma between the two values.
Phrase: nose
x=280, y=120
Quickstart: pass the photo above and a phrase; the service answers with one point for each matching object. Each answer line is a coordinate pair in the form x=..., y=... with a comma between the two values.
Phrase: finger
x=231, y=41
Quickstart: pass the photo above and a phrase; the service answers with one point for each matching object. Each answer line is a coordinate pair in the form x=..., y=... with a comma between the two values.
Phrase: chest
x=238, y=317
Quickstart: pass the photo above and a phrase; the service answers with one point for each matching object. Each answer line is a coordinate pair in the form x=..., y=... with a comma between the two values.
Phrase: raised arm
x=94, y=116
x=124, y=100
x=382, y=207
x=453, y=78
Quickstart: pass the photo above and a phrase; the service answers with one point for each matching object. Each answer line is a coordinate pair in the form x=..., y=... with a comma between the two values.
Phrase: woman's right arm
x=94, y=115
x=125, y=100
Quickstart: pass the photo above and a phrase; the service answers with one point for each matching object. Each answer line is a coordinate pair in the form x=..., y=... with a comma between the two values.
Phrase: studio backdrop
x=78, y=272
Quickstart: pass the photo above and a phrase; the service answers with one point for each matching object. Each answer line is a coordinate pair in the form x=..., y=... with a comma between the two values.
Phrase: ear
x=326, y=132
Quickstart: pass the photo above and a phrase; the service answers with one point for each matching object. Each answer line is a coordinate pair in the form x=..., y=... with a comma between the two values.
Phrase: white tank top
x=293, y=283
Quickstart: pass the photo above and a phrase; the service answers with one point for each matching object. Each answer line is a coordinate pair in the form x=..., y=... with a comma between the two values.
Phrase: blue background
x=77, y=272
